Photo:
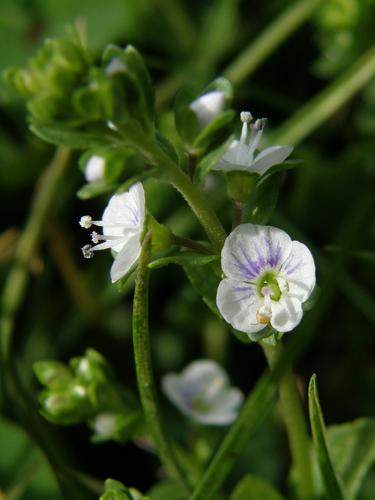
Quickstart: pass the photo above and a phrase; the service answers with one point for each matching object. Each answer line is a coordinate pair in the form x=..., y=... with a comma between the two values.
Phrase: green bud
x=114, y=490
x=241, y=185
x=93, y=367
x=68, y=405
x=52, y=373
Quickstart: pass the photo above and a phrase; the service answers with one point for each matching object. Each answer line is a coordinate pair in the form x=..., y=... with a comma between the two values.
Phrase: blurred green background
x=70, y=303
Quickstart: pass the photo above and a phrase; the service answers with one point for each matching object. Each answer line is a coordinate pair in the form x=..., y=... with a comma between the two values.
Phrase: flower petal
x=238, y=303
x=237, y=157
x=126, y=258
x=286, y=314
x=125, y=209
x=208, y=106
x=206, y=377
x=250, y=250
x=176, y=392
x=299, y=272
x=224, y=409
x=269, y=157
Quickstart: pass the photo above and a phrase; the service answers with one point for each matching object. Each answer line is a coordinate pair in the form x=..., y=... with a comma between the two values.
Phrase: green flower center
x=267, y=285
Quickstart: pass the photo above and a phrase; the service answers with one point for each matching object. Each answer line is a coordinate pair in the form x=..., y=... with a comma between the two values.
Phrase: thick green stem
x=269, y=40
x=143, y=365
x=317, y=110
x=15, y=285
x=295, y=424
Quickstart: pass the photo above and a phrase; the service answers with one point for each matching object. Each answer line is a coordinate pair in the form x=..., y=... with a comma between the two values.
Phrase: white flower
x=241, y=154
x=123, y=221
x=202, y=392
x=94, y=169
x=208, y=106
x=268, y=277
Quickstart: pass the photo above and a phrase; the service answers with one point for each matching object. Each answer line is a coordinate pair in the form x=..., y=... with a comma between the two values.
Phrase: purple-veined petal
x=251, y=249
x=126, y=258
x=299, y=272
x=269, y=157
x=286, y=314
x=238, y=303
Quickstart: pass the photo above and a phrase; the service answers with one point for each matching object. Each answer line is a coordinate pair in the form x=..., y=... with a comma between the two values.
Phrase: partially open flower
x=202, y=392
x=241, y=155
x=122, y=223
x=208, y=106
x=268, y=277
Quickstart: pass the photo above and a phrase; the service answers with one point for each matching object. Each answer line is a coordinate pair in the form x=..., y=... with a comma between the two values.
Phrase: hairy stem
x=295, y=424
x=143, y=365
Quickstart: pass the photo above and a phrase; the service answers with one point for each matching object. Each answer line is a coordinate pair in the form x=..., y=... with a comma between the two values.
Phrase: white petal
x=269, y=157
x=237, y=157
x=174, y=389
x=206, y=377
x=238, y=303
x=299, y=272
x=208, y=106
x=124, y=210
x=250, y=250
x=286, y=314
x=126, y=258
x=94, y=170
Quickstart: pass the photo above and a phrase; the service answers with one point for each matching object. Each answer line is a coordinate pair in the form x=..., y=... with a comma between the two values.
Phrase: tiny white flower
x=122, y=222
x=208, y=106
x=202, y=392
x=241, y=155
x=94, y=169
x=104, y=424
x=268, y=277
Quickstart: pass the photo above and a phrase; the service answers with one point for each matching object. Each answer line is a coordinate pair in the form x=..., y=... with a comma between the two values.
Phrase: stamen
x=87, y=252
x=256, y=133
x=264, y=314
x=246, y=116
x=85, y=221
x=94, y=237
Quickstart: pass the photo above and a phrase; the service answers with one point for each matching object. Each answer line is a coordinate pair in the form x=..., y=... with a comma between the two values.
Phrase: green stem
x=317, y=110
x=188, y=243
x=16, y=282
x=143, y=365
x=295, y=424
x=269, y=40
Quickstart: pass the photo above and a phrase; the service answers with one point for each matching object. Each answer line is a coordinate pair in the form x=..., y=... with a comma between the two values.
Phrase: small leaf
x=217, y=130
x=263, y=201
x=182, y=259
x=352, y=447
x=254, y=488
x=61, y=136
x=332, y=486
x=93, y=189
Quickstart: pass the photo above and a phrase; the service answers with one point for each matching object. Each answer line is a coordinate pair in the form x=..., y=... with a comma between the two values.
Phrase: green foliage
x=114, y=490
x=254, y=488
x=332, y=485
x=260, y=206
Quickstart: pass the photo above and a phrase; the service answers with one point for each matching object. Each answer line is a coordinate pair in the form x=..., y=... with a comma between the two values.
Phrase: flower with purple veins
x=123, y=224
x=241, y=155
x=203, y=392
x=268, y=277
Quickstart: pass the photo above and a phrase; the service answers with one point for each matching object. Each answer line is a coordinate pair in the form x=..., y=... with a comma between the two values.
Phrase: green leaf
x=205, y=279
x=61, y=136
x=208, y=162
x=185, y=119
x=182, y=259
x=331, y=483
x=93, y=189
x=262, y=203
x=254, y=488
x=167, y=491
x=216, y=131
x=352, y=448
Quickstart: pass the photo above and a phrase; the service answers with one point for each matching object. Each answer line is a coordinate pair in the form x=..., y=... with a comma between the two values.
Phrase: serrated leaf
x=254, y=488
x=263, y=201
x=182, y=259
x=332, y=487
x=74, y=139
x=352, y=448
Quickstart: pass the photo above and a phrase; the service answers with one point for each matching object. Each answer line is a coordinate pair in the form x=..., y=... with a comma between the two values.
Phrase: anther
x=85, y=221
x=246, y=116
x=87, y=252
x=95, y=237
